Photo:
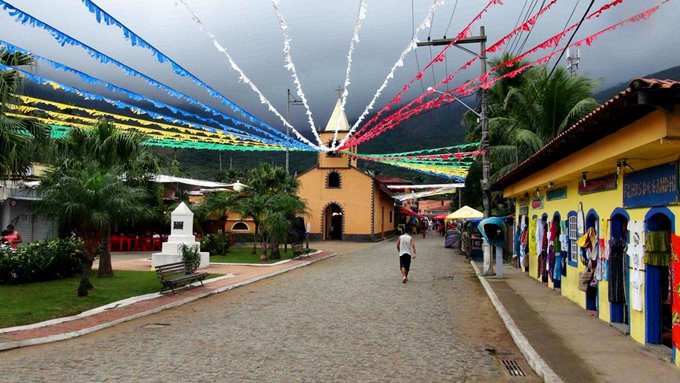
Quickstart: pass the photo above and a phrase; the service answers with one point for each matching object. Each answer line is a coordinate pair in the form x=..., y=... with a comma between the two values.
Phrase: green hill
x=666, y=74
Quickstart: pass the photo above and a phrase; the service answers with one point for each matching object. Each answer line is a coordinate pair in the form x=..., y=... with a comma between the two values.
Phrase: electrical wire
x=413, y=35
x=446, y=32
x=592, y=2
x=526, y=38
x=429, y=36
x=511, y=46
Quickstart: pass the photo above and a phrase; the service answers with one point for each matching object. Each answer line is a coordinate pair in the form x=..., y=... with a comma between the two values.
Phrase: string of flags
x=221, y=131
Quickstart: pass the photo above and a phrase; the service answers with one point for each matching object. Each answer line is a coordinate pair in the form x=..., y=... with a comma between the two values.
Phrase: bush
x=41, y=261
x=215, y=244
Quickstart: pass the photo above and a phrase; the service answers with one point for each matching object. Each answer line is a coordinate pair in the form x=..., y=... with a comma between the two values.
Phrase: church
x=344, y=202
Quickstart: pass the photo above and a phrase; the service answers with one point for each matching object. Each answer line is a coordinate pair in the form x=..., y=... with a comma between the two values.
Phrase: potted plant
x=191, y=256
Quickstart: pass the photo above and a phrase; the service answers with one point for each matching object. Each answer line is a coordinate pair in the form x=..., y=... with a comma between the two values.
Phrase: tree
x=281, y=209
x=526, y=112
x=254, y=206
x=267, y=179
x=19, y=138
x=218, y=204
x=89, y=199
x=115, y=152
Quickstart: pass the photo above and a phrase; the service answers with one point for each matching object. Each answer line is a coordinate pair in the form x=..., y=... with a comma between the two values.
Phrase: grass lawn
x=238, y=254
x=36, y=302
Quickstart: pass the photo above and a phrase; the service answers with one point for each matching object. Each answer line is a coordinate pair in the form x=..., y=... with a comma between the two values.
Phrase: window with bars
x=573, y=237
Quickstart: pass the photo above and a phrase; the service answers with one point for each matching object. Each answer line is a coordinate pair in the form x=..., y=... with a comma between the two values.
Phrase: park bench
x=175, y=274
x=298, y=248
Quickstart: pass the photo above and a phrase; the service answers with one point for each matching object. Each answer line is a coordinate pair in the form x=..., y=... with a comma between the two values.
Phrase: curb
x=73, y=334
x=535, y=361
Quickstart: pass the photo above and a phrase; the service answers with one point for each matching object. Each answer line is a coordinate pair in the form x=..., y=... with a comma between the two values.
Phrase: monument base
x=165, y=258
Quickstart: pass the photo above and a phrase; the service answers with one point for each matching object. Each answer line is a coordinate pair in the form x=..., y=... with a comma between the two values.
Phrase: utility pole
x=486, y=190
x=484, y=120
x=291, y=101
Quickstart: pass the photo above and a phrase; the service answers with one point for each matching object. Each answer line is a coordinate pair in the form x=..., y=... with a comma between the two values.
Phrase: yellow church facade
x=343, y=202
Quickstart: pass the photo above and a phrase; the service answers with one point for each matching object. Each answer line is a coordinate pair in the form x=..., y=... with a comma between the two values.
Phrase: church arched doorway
x=333, y=222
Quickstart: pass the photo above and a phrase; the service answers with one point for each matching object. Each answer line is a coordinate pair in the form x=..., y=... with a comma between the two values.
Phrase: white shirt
x=405, y=242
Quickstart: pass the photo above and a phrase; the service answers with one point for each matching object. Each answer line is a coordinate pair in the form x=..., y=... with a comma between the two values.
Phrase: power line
x=413, y=35
x=507, y=46
x=571, y=38
x=532, y=29
x=521, y=18
x=446, y=32
x=429, y=36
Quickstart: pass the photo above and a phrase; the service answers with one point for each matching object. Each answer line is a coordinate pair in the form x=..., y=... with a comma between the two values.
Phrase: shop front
x=597, y=210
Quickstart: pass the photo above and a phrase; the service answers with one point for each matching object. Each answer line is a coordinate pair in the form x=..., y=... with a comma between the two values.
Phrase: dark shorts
x=405, y=261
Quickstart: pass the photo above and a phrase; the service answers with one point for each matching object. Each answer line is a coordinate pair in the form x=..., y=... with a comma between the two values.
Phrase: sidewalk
x=136, y=307
x=563, y=343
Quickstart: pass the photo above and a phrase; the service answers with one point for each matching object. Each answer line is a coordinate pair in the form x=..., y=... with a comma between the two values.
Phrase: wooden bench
x=175, y=274
x=298, y=248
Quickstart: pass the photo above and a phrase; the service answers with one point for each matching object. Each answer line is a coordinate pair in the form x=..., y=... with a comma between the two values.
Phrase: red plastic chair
x=146, y=244
x=115, y=242
x=157, y=244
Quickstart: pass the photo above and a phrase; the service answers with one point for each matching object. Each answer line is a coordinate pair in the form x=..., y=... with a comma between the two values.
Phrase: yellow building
x=615, y=171
x=343, y=202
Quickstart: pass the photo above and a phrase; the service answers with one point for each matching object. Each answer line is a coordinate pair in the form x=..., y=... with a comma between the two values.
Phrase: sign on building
x=655, y=186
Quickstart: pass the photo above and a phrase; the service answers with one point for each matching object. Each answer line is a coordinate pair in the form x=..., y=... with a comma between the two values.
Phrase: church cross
x=340, y=90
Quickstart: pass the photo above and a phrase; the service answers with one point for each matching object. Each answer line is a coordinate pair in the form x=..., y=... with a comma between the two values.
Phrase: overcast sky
x=321, y=31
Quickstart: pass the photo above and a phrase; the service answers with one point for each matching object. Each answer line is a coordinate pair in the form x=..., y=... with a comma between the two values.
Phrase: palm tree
x=89, y=200
x=254, y=206
x=528, y=111
x=19, y=138
x=218, y=204
x=281, y=209
x=267, y=179
x=117, y=152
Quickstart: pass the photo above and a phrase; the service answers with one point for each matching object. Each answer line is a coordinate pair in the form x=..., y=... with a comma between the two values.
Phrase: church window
x=333, y=180
x=334, y=153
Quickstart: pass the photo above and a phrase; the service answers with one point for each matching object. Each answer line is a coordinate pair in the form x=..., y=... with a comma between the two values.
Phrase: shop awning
x=411, y=212
x=465, y=212
x=440, y=216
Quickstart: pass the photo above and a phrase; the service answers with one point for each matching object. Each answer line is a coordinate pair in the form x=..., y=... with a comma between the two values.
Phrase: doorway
x=658, y=317
x=619, y=274
x=592, y=220
x=333, y=222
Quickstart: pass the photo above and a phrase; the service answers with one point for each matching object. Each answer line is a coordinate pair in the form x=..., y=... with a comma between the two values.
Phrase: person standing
x=406, y=248
x=12, y=236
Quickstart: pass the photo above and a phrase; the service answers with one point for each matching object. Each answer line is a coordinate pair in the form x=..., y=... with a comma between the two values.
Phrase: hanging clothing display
x=636, y=279
x=675, y=289
x=617, y=250
x=657, y=248
x=636, y=253
x=587, y=244
x=524, y=248
x=580, y=219
x=557, y=272
x=551, y=261
x=517, y=244
x=540, y=231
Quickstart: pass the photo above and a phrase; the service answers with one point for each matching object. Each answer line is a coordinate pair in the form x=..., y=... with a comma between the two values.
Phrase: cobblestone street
x=347, y=319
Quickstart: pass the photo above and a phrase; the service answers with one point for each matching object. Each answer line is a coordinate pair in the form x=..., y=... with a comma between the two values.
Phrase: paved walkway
x=576, y=346
x=348, y=318
x=123, y=311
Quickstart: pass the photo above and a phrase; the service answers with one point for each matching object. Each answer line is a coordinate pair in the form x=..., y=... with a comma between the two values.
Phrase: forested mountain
x=436, y=128
x=666, y=74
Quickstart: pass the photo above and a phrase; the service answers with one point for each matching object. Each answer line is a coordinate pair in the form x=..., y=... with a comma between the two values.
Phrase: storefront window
x=573, y=236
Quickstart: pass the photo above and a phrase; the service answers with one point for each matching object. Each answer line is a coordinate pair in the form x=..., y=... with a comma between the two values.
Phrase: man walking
x=406, y=248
